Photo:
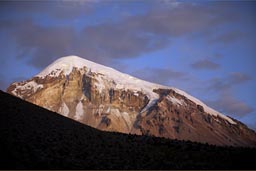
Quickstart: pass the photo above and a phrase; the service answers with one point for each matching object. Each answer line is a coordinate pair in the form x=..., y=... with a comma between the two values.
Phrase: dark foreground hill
x=34, y=138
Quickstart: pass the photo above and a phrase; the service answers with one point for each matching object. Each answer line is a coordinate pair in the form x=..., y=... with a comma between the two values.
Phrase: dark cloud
x=228, y=37
x=225, y=83
x=44, y=43
x=226, y=102
x=135, y=35
x=125, y=38
x=118, y=41
x=239, y=78
x=230, y=105
x=217, y=56
x=58, y=9
x=218, y=84
x=205, y=64
x=160, y=75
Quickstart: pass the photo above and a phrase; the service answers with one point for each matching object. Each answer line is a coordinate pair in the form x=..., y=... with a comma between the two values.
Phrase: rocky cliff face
x=76, y=96
x=106, y=99
x=184, y=119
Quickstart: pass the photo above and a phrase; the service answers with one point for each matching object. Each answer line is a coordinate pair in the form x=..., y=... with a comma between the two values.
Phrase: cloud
x=134, y=35
x=160, y=75
x=58, y=9
x=228, y=37
x=226, y=83
x=44, y=43
x=230, y=105
x=226, y=102
x=128, y=37
x=217, y=56
x=205, y=64
x=118, y=41
x=239, y=78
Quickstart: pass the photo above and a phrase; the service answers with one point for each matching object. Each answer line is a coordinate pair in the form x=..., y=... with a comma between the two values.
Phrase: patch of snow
x=217, y=120
x=151, y=102
x=100, y=109
x=64, y=109
x=175, y=100
x=124, y=115
x=108, y=110
x=55, y=73
x=116, y=112
x=136, y=93
x=29, y=85
x=14, y=92
x=79, y=111
x=100, y=84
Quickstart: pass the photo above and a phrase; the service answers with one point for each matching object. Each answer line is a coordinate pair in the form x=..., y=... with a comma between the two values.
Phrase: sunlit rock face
x=106, y=99
x=77, y=96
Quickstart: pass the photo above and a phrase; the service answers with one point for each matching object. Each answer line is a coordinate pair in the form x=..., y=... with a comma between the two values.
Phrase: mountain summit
x=109, y=100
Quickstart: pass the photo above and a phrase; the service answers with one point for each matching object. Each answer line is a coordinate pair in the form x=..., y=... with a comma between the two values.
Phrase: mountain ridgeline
x=109, y=100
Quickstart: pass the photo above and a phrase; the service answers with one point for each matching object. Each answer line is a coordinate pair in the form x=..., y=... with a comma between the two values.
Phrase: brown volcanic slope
x=34, y=138
x=106, y=99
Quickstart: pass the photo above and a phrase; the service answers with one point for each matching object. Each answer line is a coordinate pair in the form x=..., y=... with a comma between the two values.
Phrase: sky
x=206, y=48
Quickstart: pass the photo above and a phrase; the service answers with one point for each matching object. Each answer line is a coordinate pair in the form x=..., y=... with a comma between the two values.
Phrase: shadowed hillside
x=34, y=138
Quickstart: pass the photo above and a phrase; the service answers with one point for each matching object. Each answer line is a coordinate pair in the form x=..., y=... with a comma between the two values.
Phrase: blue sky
x=206, y=48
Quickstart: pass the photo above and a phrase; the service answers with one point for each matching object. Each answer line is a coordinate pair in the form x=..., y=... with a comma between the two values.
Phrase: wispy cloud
x=160, y=75
x=44, y=43
x=239, y=78
x=58, y=9
x=205, y=64
x=228, y=37
x=226, y=103
x=229, y=81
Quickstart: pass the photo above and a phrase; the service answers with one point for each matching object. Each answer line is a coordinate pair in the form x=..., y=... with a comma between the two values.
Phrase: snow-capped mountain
x=109, y=100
